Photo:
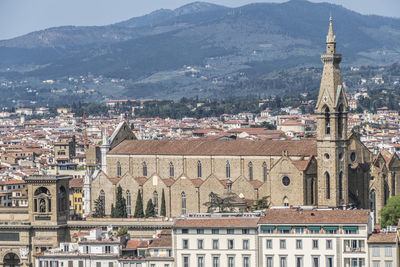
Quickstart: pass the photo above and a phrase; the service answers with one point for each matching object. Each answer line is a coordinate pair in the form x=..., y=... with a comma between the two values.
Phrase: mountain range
x=199, y=49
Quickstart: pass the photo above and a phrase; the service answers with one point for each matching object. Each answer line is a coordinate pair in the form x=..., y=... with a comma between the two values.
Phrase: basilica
x=333, y=170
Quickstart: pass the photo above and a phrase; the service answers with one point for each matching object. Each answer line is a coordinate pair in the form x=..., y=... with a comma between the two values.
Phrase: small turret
x=330, y=38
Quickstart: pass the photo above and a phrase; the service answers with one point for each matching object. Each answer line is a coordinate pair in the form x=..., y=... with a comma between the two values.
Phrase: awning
x=267, y=227
x=314, y=227
x=331, y=228
x=350, y=228
x=285, y=227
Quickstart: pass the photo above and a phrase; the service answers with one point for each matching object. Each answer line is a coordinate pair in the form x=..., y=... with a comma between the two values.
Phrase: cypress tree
x=163, y=211
x=99, y=209
x=139, y=206
x=113, y=215
x=120, y=205
x=150, y=209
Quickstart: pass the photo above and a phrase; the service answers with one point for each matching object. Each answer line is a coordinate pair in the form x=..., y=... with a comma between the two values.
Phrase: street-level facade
x=216, y=240
x=299, y=238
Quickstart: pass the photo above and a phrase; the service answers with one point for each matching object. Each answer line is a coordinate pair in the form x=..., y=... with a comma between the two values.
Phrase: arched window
x=183, y=199
x=251, y=171
x=312, y=191
x=265, y=171
x=11, y=260
x=41, y=200
x=199, y=169
x=103, y=197
x=42, y=190
x=340, y=121
x=228, y=170
x=128, y=203
x=285, y=201
x=341, y=185
x=144, y=169
x=328, y=185
x=327, y=122
x=386, y=193
x=171, y=169
x=119, y=171
x=372, y=202
x=393, y=184
x=155, y=201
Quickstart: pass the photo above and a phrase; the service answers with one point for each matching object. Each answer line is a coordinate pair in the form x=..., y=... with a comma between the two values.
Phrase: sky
x=18, y=17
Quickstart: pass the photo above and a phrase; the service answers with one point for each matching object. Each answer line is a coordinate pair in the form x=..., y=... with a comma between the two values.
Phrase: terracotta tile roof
x=255, y=131
x=224, y=182
x=141, y=180
x=132, y=244
x=169, y=181
x=216, y=147
x=143, y=244
x=197, y=182
x=256, y=183
x=12, y=181
x=383, y=238
x=114, y=180
x=161, y=242
x=76, y=182
x=216, y=222
x=302, y=164
x=290, y=216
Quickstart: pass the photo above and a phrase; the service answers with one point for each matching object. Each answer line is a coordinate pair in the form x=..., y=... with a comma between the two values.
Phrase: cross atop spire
x=330, y=38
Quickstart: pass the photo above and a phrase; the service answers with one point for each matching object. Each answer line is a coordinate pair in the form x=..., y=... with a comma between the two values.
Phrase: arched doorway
x=11, y=260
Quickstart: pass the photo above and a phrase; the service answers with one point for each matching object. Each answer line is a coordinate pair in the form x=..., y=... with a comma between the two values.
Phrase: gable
x=127, y=180
x=394, y=163
x=340, y=97
x=243, y=188
x=325, y=99
x=121, y=133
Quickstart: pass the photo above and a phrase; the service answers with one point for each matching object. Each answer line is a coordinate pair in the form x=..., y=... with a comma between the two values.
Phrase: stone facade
x=335, y=170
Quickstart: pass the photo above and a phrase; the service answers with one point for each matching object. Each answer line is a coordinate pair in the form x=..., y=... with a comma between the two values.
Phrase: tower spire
x=330, y=38
x=332, y=145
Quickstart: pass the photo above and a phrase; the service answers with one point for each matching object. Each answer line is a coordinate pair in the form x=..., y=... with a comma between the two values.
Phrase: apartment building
x=216, y=240
x=94, y=250
x=314, y=238
x=383, y=249
x=283, y=237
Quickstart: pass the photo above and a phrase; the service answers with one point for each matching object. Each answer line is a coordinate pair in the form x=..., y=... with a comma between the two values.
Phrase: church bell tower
x=332, y=141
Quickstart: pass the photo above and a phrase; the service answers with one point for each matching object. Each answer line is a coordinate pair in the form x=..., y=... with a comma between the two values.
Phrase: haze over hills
x=200, y=49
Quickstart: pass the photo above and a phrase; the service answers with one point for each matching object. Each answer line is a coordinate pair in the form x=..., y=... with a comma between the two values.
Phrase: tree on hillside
x=150, y=209
x=99, y=210
x=390, y=214
x=163, y=211
x=139, y=206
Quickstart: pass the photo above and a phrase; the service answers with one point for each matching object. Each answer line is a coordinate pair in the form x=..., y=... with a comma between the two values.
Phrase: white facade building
x=93, y=250
x=283, y=237
x=314, y=238
x=216, y=240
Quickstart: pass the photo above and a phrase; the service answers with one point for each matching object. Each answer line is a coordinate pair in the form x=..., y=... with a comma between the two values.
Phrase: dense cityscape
x=301, y=178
